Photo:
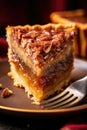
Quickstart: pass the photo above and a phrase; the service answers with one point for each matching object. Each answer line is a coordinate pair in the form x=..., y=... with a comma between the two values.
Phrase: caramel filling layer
x=49, y=77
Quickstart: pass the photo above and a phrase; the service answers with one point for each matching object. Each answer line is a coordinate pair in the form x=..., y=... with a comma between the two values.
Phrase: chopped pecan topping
x=43, y=43
x=6, y=92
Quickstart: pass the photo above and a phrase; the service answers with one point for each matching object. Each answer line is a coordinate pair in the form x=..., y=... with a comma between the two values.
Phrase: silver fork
x=69, y=97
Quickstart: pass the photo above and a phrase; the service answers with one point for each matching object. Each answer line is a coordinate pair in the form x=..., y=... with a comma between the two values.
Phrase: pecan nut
x=6, y=92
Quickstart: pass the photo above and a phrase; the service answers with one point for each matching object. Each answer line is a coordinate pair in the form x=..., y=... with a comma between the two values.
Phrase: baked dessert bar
x=77, y=17
x=41, y=58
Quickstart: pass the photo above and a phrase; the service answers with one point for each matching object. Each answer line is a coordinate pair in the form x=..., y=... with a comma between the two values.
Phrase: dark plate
x=19, y=104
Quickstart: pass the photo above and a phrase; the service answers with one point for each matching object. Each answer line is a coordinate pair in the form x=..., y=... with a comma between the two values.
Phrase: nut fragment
x=47, y=48
x=6, y=92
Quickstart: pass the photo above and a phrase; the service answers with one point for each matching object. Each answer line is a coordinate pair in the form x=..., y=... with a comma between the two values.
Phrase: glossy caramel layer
x=50, y=76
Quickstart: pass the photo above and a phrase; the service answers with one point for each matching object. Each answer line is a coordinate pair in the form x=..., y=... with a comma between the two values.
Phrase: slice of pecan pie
x=41, y=58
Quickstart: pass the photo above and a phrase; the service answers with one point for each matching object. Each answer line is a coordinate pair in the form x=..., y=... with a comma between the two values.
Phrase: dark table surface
x=12, y=122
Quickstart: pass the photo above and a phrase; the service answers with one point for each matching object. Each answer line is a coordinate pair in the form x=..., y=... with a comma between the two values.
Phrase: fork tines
x=63, y=100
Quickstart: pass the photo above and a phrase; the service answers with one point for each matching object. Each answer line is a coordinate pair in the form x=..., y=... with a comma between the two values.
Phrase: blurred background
x=14, y=12
x=20, y=12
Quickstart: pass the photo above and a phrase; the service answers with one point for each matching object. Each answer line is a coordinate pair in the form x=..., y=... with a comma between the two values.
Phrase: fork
x=73, y=94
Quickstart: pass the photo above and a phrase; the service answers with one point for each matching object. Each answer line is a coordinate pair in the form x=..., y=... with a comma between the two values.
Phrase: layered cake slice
x=41, y=58
x=79, y=18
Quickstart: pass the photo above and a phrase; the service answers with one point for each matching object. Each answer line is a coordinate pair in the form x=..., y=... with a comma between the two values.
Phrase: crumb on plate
x=6, y=92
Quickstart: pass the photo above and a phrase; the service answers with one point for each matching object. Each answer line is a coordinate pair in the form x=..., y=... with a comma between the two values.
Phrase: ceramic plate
x=19, y=104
